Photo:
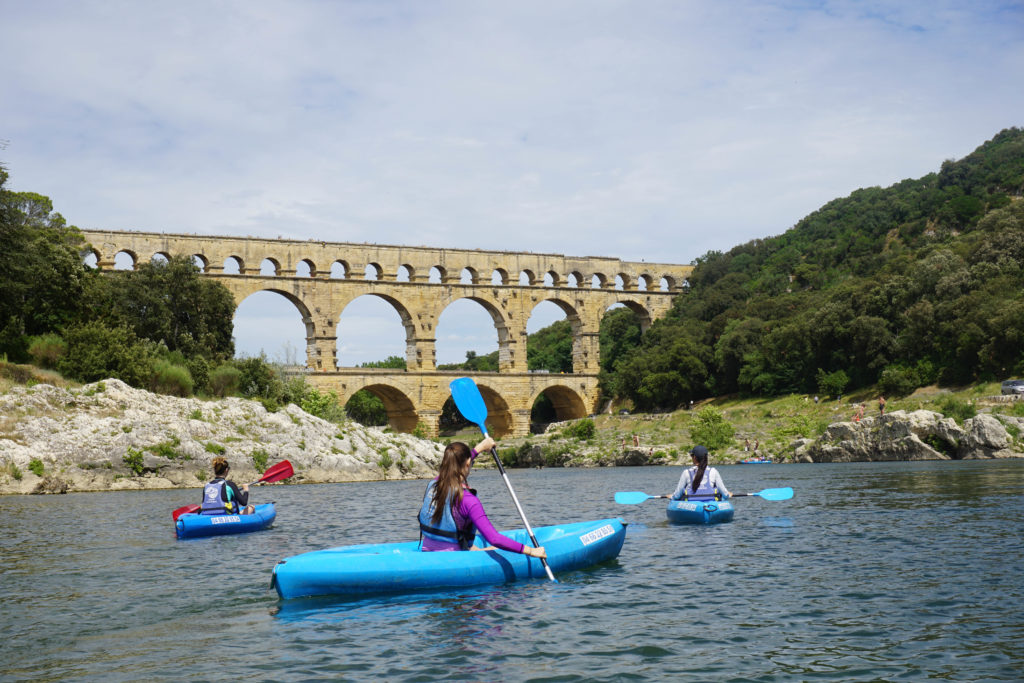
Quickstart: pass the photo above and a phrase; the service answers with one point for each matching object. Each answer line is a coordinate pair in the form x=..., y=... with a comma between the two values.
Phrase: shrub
x=168, y=449
x=508, y=457
x=259, y=460
x=224, y=380
x=133, y=461
x=583, y=430
x=199, y=369
x=259, y=379
x=323, y=405
x=97, y=352
x=170, y=379
x=35, y=466
x=47, y=349
x=711, y=429
x=898, y=380
x=959, y=410
x=420, y=430
x=832, y=383
x=215, y=448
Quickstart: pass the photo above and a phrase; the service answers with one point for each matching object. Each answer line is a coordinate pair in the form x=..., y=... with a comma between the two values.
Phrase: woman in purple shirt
x=451, y=514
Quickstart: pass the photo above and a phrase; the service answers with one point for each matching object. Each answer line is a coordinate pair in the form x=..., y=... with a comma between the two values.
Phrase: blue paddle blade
x=469, y=401
x=631, y=497
x=776, y=494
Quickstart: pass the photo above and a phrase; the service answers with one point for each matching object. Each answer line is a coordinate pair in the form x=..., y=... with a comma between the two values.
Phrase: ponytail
x=700, y=454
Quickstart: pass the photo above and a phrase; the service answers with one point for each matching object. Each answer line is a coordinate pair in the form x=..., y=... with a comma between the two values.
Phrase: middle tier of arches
x=419, y=308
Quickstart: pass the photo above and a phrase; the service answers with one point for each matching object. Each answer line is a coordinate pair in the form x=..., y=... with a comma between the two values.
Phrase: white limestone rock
x=82, y=437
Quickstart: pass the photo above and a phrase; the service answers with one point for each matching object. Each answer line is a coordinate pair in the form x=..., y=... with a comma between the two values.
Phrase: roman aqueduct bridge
x=321, y=278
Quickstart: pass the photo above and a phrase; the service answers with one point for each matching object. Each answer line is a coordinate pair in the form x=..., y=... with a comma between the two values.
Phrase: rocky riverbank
x=915, y=435
x=110, y=436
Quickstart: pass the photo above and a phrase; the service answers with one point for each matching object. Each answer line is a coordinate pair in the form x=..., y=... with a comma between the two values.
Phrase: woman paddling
x=703, y=482
x=222, y=496
x=451, y=514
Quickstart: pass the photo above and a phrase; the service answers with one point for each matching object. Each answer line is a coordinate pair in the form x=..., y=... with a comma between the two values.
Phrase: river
x=873, y=571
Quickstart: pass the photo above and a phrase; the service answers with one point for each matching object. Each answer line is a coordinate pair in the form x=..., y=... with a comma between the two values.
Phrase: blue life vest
x=215, y=500
x=446, y=531
x=705, y=491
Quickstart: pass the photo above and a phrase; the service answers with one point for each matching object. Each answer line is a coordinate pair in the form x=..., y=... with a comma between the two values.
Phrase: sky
x=649, y=130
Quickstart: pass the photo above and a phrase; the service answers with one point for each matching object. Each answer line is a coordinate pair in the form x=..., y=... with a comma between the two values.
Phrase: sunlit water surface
x=873, y=571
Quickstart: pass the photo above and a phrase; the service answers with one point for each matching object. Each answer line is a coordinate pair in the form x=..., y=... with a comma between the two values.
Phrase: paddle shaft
x=519, y=508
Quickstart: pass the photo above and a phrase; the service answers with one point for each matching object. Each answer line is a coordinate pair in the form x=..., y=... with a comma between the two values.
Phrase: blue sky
x=642, y=130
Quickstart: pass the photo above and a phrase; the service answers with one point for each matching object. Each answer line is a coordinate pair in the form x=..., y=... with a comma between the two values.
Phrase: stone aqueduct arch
x=418, y=393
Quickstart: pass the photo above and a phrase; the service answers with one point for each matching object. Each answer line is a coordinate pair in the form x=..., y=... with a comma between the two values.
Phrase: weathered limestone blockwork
x=490, y=278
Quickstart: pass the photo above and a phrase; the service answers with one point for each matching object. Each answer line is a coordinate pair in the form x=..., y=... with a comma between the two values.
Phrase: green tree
x=711, y=429
x=367, y=409
x=167, y=301
x=96, y=352
x=40, y=268
x=550, y=348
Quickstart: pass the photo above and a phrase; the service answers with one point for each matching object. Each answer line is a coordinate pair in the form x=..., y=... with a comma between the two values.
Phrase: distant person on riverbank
x=700, y=482
x=451, y=514
x=881, y=405
x=860, y=412
x=222, y=496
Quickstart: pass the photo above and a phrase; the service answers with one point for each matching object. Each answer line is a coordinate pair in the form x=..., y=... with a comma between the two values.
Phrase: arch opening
x=270, y=267
x=305, y=268
x=274, y=324
x=380, y=404
x=551, y=333
x=233, y=265
x=484, y=338
x=555, y=404
x=499, y=417
x=371, y=329
x=125, y=260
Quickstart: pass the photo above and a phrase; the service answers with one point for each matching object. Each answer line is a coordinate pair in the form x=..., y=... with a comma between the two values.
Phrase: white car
x=1013, y=386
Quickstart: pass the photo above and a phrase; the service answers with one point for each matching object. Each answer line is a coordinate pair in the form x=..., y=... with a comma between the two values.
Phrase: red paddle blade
x=188, y=508
x=281, y=470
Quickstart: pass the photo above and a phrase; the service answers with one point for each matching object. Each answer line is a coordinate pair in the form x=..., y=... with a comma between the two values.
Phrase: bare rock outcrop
x=916, y=435
x=110, y=436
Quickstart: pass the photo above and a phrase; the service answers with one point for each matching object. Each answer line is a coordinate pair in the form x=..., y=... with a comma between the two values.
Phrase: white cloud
x=655, y=130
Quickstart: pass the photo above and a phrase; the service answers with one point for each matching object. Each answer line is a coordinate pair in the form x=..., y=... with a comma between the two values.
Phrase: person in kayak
x=451, y=514
x=703, y=482
x=222, y=496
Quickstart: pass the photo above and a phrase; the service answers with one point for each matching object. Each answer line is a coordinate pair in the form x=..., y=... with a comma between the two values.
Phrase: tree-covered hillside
x=902, y=286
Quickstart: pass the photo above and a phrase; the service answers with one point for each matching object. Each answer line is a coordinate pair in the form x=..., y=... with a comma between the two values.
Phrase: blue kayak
x=193, y=525
x=699, y=511
x=399, y=567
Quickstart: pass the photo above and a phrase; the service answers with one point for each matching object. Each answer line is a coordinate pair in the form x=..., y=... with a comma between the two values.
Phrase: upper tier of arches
x=334, y=260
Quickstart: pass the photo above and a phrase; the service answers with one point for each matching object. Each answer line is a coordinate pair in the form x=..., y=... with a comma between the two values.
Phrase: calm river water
x=873, y=571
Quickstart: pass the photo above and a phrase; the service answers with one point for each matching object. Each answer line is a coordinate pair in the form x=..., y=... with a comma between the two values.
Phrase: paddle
x=633, y=497
x=281, y=470
x=471, y=404
x=636, y=497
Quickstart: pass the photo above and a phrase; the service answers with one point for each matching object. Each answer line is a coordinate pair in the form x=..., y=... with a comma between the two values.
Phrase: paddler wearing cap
x=700, y=482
